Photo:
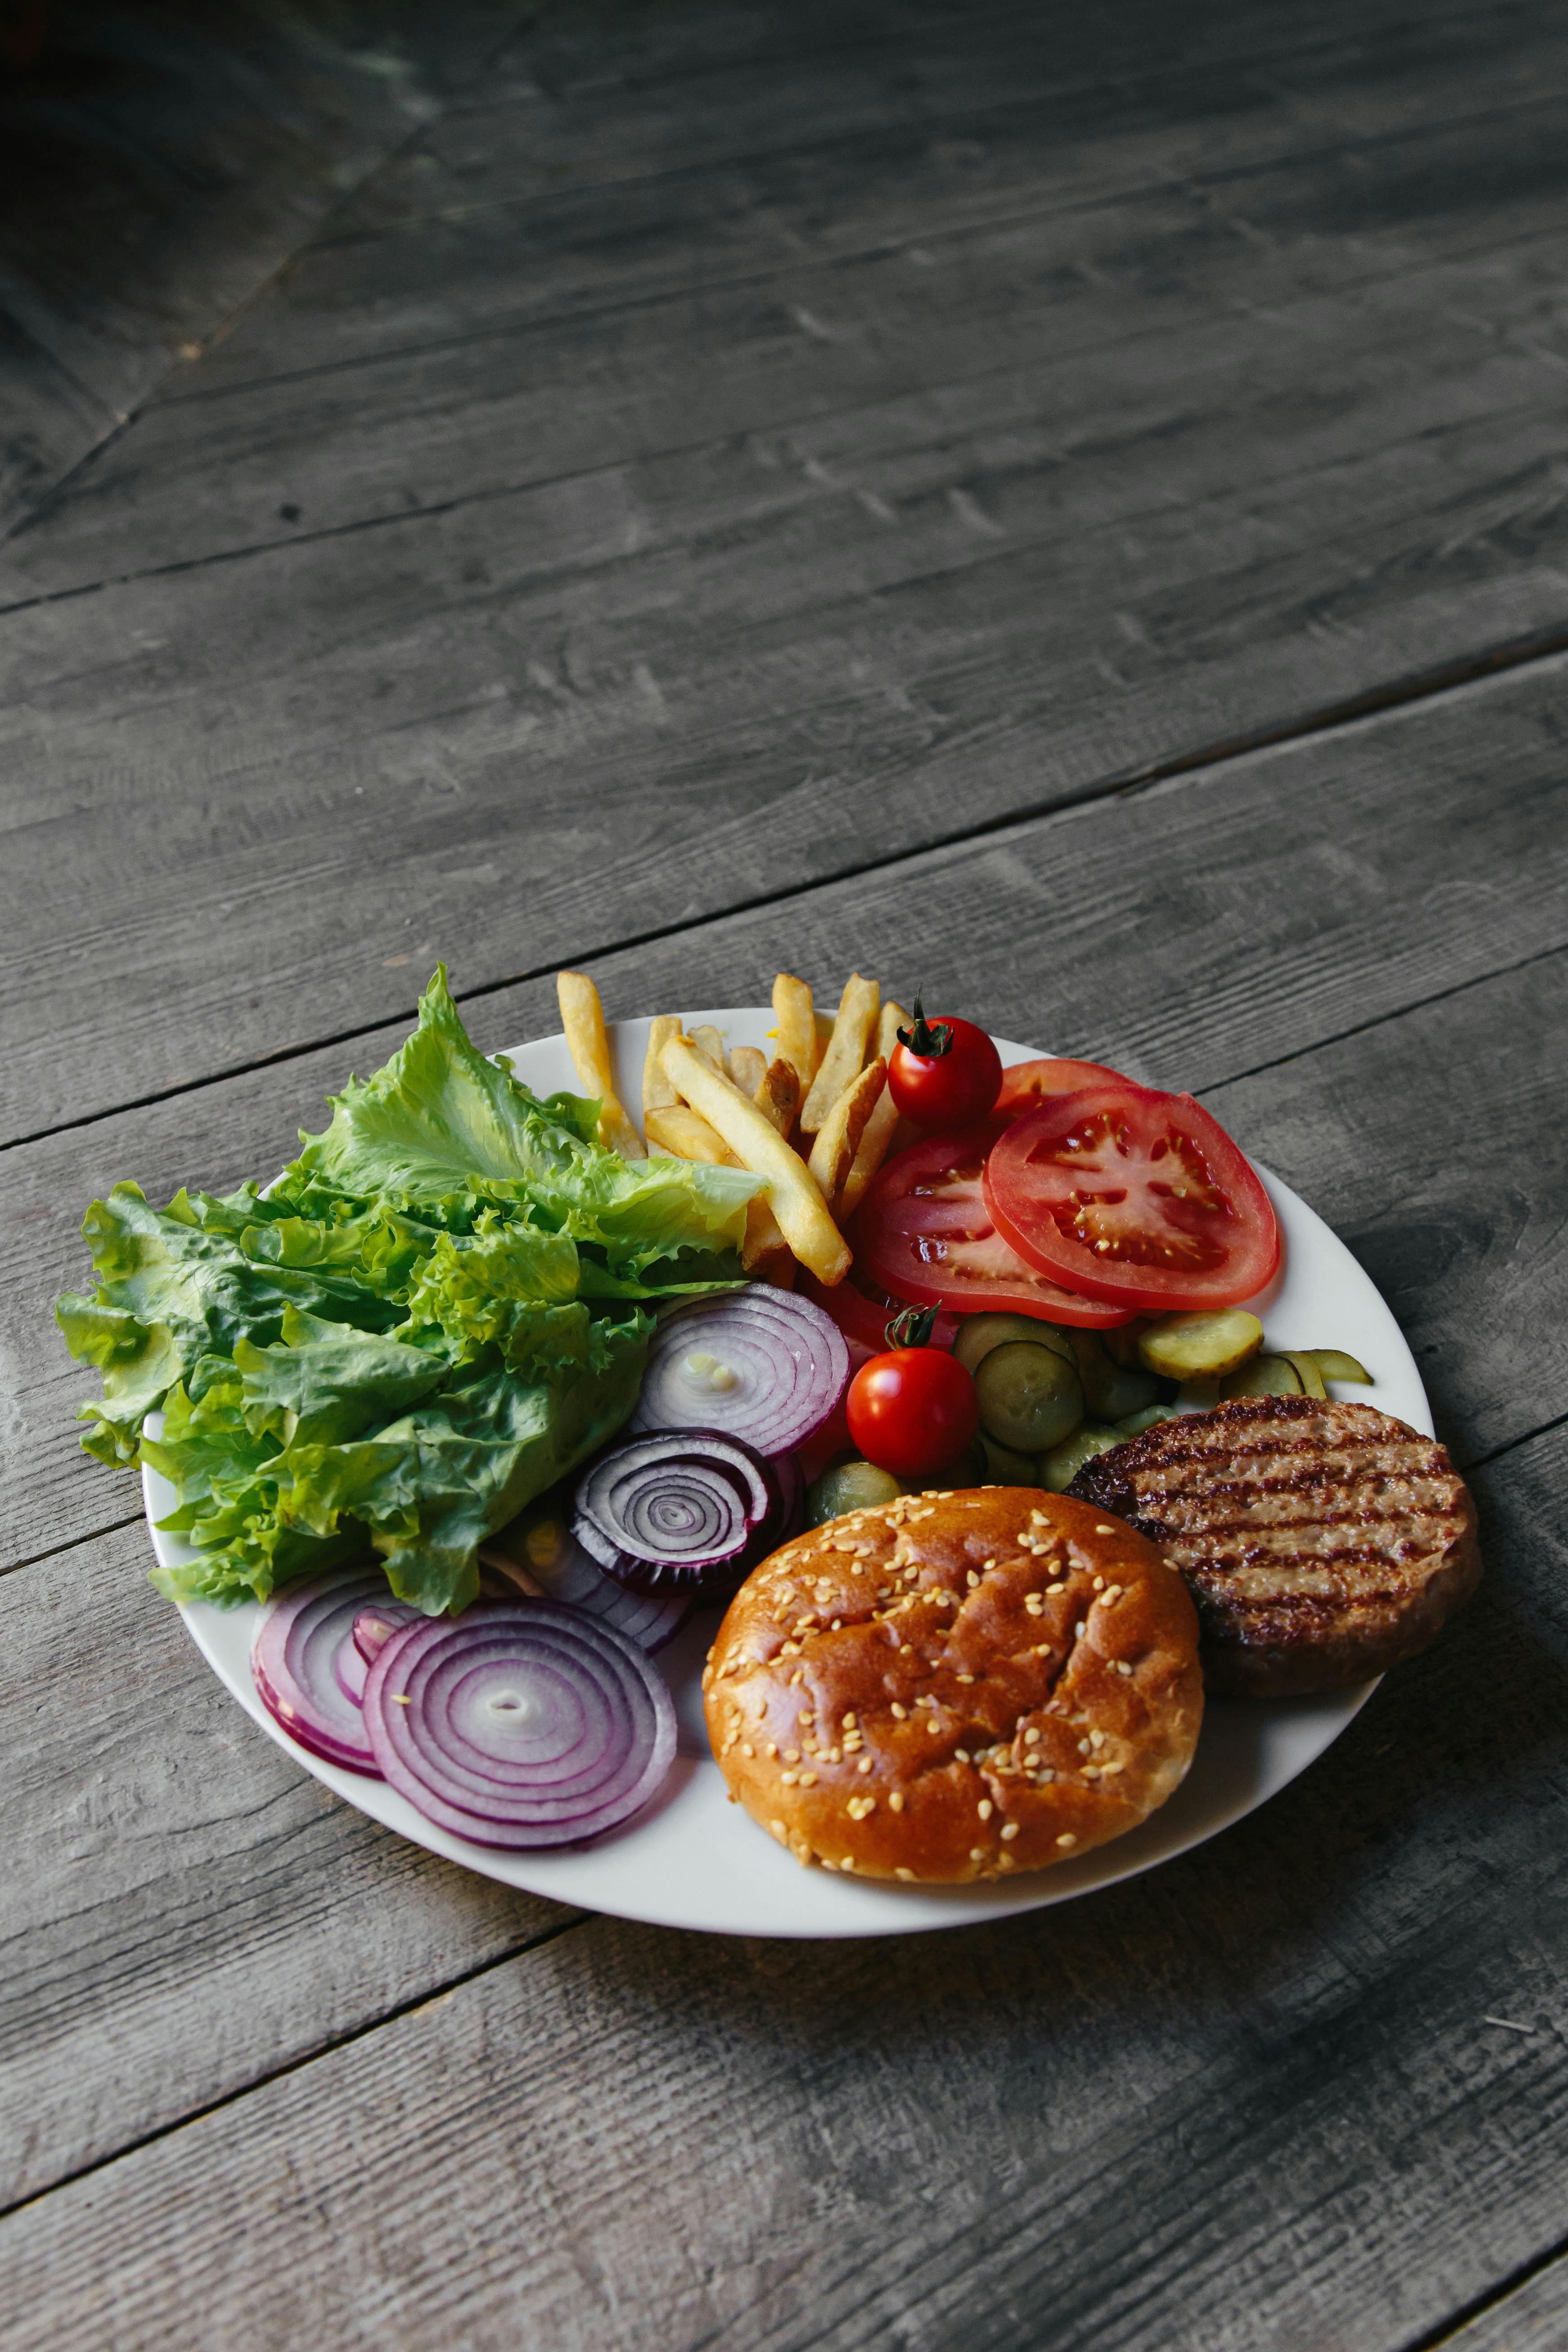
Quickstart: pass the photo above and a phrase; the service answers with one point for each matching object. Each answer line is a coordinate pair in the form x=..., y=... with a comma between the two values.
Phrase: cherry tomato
x=923, y=1231
x=1029, y=1084
x=912, y=1411
x=863, y=1311
x=1137, y=1198
x=944, y=1074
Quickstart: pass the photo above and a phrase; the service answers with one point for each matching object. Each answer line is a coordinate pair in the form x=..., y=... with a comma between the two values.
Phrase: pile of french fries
x=815, y=1123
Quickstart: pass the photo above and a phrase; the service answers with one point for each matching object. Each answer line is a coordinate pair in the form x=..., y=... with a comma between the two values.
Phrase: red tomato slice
x=1029, y=1084
x=925, y=1233
x=1137, y=1198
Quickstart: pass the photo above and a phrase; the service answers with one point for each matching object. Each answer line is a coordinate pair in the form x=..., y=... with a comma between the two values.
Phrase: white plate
x=694, y=1860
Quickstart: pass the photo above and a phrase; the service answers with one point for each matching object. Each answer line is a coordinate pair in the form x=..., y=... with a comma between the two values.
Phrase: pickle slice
x=1335, y=1365
x=1029, y=1397
x=1202, y=1346
x=1061, y=1465
x=1265, y=1376
x=978, y=1334
x=1307, y=1370
x=1006, y=1468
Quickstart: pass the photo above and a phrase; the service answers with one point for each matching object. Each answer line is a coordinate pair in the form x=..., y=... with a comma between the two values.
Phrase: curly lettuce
x=441, y=1307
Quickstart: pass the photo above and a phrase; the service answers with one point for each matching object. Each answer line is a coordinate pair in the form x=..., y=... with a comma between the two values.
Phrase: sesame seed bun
x=956, y=1686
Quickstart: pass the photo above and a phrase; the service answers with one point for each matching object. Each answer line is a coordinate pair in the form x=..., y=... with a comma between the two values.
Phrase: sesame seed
x=1033, y=1604
x=962, y=1754
x=772, y=1748
x=1102, y=1529
x=864, y=1765
x=1106, y=1769
x=789, y=1779
x=977, y=1853
x=1078, y=1630
x=1091, y=1772
x=1056, y=1588
x=1009, y=1829
x=1121, y=1666
x=1044, y=1777
x=932, y=1726
x=778, y=1829
x=896, y=1801
x=1097, y=1582
x=1097, y=1739
x=399, y=1698
x=789, y=1650
x=985, y=1808
x=1004, y=1862
x=747, y=1748
x=902, y=1712
x=792, y=1756
x=972, y=1580
x=1066, y=1838
x=963, y=1678
x=902, y=1873
x=846, y=1864
x=808, y=1780
x=849, y=1720
x=1031, y=1737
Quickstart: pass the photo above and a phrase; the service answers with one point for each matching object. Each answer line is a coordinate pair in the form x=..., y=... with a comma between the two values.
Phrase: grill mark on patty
x=1322, y=1542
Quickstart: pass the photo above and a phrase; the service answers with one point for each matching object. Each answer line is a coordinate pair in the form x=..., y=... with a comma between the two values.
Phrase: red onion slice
x=294, y=1662
x=373, y=1623
x=687, y=1500
x=562, y=1570
x=760, y=1364
x=525, y=1726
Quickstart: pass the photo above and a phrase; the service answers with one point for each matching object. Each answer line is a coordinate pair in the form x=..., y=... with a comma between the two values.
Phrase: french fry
x=658, y=1094
x=583, y=1018
x=796, y=1028
x=765, y=1254
x=839, y=1137
x=793, y=1194
x=747, y=1068
x=845, y=1056
x=778, y=1096
x=686, y=1135
x=877, y=1135
x=710, y=1045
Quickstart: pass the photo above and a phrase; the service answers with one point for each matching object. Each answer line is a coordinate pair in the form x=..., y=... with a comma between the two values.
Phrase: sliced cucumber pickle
x=1335, y=1365
x=1111, y=1390
x=1264, y=1376
x=1201, y=1346
x=848, y=1486
x=1061, y=1465
x=1120, y=1342
x=1030, y=1397
x=1006, y=1468
x=978, y=1334
x=1136, y=1422
x=1306, y=1371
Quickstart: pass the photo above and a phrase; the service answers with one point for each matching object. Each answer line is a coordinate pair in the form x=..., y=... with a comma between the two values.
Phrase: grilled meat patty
x=1322, y=1542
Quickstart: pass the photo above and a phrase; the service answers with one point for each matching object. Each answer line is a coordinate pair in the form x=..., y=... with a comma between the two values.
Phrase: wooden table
x=1064, y=508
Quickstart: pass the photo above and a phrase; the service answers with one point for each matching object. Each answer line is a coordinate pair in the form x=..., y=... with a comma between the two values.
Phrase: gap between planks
x=424, y=2000
x=1452, y=2329
x=1452, y=678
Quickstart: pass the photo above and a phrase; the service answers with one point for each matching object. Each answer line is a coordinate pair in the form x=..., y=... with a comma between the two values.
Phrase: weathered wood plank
x=1248, y=2102
x=299, y=765
x=162, y=165
x=1189, y=932
x=1535, y=2319
x=184, y=1910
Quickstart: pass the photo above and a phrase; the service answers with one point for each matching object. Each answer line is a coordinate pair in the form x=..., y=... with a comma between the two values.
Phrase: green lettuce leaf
x=446, y=1132
x=431, y=1317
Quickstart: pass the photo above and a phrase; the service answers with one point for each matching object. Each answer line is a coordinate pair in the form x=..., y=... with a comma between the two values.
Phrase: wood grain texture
x=184, y=1910
x=1237, y=2106
x=1189, y=933
x=1535, y=2319
x=1013, y=512
x=161, y=162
